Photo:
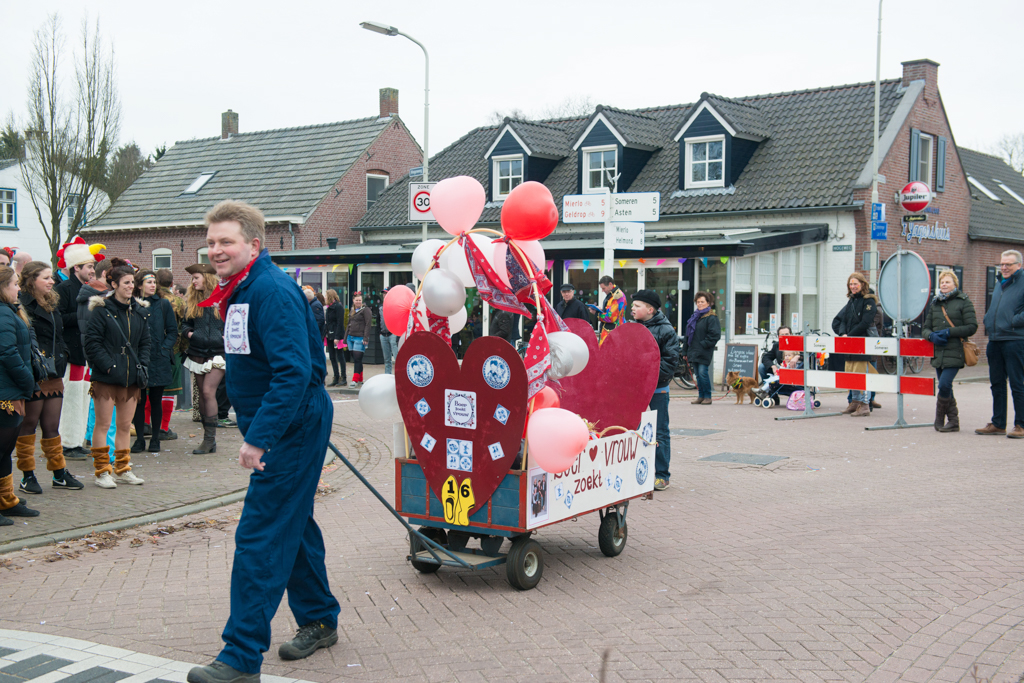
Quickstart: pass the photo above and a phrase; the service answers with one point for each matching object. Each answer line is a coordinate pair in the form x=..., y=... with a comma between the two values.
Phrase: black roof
x=994, y=219
x=818, y=142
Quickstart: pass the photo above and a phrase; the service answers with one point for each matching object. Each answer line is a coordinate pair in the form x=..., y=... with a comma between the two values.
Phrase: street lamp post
x=392, y=31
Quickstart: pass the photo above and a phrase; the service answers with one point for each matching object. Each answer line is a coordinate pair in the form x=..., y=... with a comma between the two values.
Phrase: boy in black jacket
x=646, y=305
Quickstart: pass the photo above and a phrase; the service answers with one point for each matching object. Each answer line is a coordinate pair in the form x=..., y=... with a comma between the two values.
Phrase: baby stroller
x=772, y=392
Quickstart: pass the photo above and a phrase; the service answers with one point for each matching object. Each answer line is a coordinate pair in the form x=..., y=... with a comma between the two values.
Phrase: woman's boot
x=209, y=444
x=861, y=410
x=54, y=453
x=102, y=468
x=10, y=504
x=941, y=408
x=953, y=413
x=850, y=407
x=123, y=468
x=26, y=450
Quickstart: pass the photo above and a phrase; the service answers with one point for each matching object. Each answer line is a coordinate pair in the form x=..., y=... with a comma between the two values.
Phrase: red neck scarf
x=225, y=288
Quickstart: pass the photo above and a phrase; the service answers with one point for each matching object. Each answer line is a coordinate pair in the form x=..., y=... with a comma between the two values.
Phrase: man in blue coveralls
x=275, y=380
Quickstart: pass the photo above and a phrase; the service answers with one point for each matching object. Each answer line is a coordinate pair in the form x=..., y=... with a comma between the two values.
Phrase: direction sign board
x=416, y=171
x=879, y=230
x=624, y=236
x=636, y=206
x=584, y=208
x=419, y=202
x=877, y=212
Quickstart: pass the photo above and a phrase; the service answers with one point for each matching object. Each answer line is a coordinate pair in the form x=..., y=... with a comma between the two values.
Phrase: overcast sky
x=302, y=62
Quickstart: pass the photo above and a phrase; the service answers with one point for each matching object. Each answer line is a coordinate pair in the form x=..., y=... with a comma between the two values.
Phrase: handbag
x=141, y=373
x=49, y=362
x=970, y=348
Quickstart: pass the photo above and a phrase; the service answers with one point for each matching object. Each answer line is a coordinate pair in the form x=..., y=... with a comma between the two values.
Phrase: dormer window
x=508, y=173
x=705, y=162
x=601, y=168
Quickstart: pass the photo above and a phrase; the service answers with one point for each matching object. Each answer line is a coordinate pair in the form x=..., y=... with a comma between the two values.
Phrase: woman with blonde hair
x=17, y=384
x=117, y=346
x=854, y=320
x=204, y=330
x=44, y=406
x=949, y=321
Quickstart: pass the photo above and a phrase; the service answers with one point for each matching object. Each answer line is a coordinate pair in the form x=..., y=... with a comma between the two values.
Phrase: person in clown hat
x=80, y=260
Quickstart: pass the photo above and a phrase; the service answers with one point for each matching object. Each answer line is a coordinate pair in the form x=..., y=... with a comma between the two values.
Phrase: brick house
x=312, y=183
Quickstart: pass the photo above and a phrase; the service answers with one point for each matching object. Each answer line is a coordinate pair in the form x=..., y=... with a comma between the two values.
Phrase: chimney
x=922, y=70
x=388, y=102
x=228, y=124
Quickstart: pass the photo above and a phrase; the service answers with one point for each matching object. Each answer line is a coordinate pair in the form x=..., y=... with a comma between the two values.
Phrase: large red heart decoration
x=463, y=423
x=617, y=385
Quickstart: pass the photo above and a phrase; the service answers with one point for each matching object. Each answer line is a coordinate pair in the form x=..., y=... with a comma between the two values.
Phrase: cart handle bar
x=429, y=544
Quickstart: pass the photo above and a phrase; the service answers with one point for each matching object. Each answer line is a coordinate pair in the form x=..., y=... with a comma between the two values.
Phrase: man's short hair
x=254, y=226
x=164, y=278
x=1015, y=254
x=102, y=267
x=606, y=280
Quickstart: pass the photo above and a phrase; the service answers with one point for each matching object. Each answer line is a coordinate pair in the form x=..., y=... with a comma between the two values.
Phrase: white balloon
x=423, y=255
x=458, y=321
x=575, y=346
x=532, y=248
x=443, y=293
x=378, y=397
x=454, y=259
x=561, y=360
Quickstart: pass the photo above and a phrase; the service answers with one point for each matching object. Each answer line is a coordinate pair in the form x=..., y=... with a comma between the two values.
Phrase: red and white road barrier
x=865, y=346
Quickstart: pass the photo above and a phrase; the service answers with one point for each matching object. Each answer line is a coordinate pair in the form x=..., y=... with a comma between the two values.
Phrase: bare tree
x=69, y=134
x=572, y=107
x=497, y=117
x=1011, y=148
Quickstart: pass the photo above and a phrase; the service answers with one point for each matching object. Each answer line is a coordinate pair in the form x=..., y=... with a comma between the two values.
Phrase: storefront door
x=665, y=281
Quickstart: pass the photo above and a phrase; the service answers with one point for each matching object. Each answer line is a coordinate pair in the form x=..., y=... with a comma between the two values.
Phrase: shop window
x=76, y=202
x=600, y=169
x=766, y=292
x=744, y=293
x=924, y=159
x=8, y=208
x=375, y=184
x=809, y=286
x=508, y=173
x=705, y=162
x=789, y=314
x=161, y=259
x=203, y=255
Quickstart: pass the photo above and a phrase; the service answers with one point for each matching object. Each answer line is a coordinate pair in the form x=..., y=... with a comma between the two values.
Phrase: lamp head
x=379, y=28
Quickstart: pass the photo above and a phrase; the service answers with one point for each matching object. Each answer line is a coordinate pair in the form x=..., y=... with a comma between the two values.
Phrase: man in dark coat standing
x=275, y=379
x=570, y=306
x=78, y=258
x=1004, y=326
x=647, y=311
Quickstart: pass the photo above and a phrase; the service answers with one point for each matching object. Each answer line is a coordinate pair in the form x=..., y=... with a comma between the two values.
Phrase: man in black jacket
x=570, y=306
x=646, y=305
x=78, y=258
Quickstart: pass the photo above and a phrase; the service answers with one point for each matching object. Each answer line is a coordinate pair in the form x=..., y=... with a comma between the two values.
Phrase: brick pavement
x=874, y=556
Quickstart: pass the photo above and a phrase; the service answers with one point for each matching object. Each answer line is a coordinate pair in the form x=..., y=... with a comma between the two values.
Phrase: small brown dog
x=743, y=386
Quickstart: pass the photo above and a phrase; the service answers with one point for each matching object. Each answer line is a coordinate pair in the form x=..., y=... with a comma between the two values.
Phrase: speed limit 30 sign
x=419, y=202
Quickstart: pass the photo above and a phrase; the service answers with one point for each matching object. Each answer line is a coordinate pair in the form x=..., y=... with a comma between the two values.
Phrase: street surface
x=861, y=556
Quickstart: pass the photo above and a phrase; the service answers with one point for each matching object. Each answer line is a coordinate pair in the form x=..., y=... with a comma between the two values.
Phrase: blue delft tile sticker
x=568, y=500
x=428, y=442
x=460, y=455
x=422, y=407
x=496, y=452
x=501, y=414
x=420, y=370
x=496, y=372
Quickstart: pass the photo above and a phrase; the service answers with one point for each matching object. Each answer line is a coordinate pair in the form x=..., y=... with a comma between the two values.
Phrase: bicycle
x=912, y=365
x=683, y=376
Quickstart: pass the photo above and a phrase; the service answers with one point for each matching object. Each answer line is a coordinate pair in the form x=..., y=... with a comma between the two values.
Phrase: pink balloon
x=556, y=437
x=457, y=203
x=397, y=303
x=532, y=248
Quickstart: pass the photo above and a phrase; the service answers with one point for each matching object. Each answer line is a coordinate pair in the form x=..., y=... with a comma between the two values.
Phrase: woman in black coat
x=43, y=408
x=949, y=321
x=854, y=320
x=117, y=346
x=204, y=330
x=17, y=384
x=702, y=334
x=335, y=331
x=163, y=335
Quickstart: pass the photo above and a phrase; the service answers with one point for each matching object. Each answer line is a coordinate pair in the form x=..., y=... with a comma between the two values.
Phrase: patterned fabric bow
x=491, y=289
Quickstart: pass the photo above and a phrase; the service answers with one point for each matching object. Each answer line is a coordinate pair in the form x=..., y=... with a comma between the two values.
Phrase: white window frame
x=688, y=176
x=162, y=251
x=203, y=253
x=496, y=194
x=13, y=203
x=923, y=174
x=587, y=151
x=387, y=182
x=199, y=182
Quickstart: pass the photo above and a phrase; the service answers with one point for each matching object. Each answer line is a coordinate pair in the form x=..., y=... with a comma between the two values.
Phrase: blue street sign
x=879, y=230
x=877, y=212
x=418, y=170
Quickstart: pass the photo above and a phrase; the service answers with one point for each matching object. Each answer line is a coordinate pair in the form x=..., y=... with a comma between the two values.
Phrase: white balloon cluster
x=569, y=354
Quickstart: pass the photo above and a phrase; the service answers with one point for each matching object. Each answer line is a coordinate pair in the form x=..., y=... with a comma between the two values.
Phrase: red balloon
x=545, y=398
x=397, y=303
x=529, y=212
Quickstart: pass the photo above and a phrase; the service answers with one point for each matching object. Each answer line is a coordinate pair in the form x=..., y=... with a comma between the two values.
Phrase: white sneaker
x=129, y=478
x=105, y=481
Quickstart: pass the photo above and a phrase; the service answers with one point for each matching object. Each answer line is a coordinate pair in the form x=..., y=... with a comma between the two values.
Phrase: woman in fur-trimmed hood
x=117, y=342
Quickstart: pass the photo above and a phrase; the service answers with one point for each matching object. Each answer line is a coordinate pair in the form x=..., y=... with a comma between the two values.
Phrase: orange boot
x=10, y=505
x=123, y=468
x=54, y=453
x=101, y=464
x=26, y=450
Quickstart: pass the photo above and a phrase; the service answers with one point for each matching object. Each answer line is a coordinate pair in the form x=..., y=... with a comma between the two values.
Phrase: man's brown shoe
x=707, y=401
x=875, y=405
x=697, y=401
x=990, y=429
x=1016, y=433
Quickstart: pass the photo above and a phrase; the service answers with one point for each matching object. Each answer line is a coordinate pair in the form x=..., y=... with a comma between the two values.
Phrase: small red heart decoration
x=617, y=385
x=463, y=422
x=593, y=454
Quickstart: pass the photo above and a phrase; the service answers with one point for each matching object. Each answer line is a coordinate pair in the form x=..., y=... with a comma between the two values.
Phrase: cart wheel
x=491, y=545
x=757, y=402
x=457, y=540
x=817, y=404
x=612, y=537
x=525, y=564
x=768, y=403
x=434, y=534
